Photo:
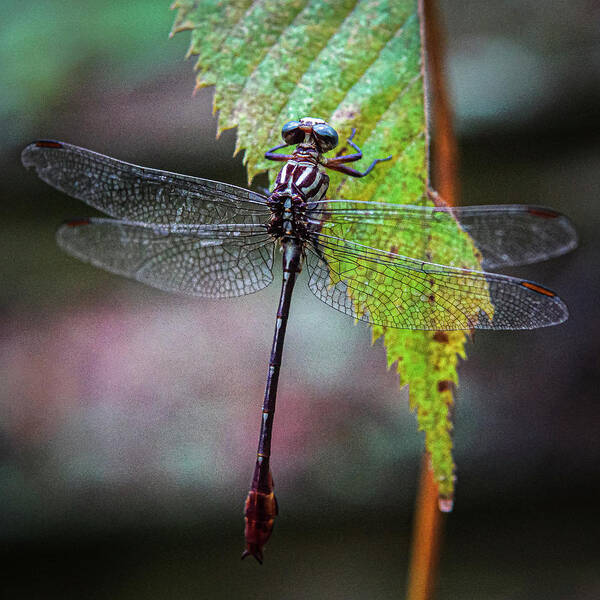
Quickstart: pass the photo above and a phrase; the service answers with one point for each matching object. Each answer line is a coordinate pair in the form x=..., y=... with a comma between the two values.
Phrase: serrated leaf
x=356, y=64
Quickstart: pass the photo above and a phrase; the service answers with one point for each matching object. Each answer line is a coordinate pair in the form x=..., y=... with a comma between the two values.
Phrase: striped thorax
x=301, y=181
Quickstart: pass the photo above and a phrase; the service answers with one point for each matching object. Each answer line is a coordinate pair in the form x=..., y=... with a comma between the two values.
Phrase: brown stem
x=426, y=537
x=427, y=527
x=445, y=156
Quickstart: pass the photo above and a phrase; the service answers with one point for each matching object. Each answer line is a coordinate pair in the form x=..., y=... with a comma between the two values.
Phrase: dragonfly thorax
x=300, y=183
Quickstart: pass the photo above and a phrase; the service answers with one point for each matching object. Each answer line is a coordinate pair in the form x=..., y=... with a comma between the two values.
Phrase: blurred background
x=129, y=417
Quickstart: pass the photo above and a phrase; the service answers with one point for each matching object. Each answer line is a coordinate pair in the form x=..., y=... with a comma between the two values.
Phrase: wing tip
x=560, y=311
x=28, y=156
x=569, y=227
x=62, y=231
x=566, y=224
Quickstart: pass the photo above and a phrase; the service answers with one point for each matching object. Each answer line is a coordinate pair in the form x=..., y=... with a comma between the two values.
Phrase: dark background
x=128, y=417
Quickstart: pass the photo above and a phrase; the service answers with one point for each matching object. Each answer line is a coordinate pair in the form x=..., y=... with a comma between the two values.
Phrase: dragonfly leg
x=271, y=154
x=338, y=163
x=341, y=158
x=340, y=154
x=341, y=168
x=349, y=140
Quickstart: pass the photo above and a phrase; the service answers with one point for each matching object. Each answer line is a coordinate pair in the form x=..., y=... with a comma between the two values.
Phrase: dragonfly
x=215, y=240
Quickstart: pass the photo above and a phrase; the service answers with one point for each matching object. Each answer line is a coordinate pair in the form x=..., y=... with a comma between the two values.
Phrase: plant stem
x=426, y=537
x=445, y=155
x=428, y=523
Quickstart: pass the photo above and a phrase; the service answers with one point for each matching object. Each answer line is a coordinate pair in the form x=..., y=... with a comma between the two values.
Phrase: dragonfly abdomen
x=259, y=515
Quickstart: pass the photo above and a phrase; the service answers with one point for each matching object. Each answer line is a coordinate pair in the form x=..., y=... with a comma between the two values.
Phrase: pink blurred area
x=158, y=398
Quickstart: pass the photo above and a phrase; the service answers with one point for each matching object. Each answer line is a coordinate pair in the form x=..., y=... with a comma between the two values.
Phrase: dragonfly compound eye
x=326, y=135
x=291, y=133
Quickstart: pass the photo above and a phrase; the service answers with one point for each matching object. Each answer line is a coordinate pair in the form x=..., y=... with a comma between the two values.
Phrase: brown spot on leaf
x=441, y=336
x=348, y=113
x=444, y=385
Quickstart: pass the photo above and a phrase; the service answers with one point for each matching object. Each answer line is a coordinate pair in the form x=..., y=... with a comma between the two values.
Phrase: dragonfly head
x=310, y=131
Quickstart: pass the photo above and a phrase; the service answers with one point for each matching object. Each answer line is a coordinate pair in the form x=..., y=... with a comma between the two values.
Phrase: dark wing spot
x=538, y=288
x=48, y=144
x=77, y=222
x=543, y=212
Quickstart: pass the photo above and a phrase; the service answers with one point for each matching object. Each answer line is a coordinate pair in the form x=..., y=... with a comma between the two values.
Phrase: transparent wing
x=396, y=291
x=212, y=261
x=126, y=191
x=506, y=235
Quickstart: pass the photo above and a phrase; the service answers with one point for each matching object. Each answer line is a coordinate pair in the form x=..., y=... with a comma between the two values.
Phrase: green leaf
x=354, y=64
